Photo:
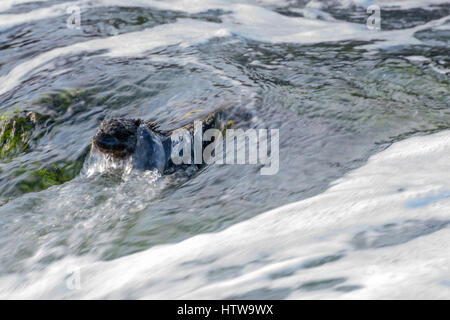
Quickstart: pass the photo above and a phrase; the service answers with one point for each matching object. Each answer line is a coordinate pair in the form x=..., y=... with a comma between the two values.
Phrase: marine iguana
x=149, y=145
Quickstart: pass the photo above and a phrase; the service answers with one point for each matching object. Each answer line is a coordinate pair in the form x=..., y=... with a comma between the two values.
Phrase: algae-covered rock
x=26, y=161
x=61, y=102
x=17, y=130
x=54, y=174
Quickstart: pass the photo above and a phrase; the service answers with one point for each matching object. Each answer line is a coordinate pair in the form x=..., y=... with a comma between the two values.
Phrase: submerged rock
x=17, y=130
x=60, y=102
x=21, y=132
x=54, y=174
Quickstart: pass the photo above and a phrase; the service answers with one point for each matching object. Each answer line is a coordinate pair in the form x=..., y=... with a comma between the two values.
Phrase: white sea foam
x=8, y=4
x=7, y=20
x=189, y=6
x=194, y=6
x=381, y=231
x=393, y=4
x=248, y=21
x=183, y=33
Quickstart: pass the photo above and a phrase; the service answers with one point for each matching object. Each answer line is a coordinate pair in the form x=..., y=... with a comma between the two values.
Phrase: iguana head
x=117, y=137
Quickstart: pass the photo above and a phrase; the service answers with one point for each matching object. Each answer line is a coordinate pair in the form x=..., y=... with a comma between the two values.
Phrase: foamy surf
x=359, y=239
x=244, y=20
x=391, y=4
x=7, y=4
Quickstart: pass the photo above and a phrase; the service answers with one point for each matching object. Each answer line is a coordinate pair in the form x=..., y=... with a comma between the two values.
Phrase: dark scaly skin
x=117, y=137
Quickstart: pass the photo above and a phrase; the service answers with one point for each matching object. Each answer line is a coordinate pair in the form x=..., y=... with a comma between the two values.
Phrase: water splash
x=99, y=163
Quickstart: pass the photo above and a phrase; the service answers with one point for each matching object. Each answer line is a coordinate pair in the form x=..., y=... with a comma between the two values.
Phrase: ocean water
x=359, y=208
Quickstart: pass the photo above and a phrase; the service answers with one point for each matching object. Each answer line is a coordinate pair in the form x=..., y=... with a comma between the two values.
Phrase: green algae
x=141, y=20
x=62, y=101
x=19, y=127
x=7, y=115
x=16, y=131
x=21, y=131
x=54, y=174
